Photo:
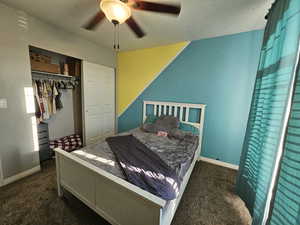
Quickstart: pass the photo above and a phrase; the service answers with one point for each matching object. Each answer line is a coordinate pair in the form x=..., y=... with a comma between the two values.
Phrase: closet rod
x=37, y=75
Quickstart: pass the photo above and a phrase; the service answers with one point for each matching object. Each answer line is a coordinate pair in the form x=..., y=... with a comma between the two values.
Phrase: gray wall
x=62, y=123
x=17, y=32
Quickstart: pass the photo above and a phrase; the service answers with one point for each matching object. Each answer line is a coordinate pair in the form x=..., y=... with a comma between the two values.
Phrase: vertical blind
x=269, y=107
x=286, y=205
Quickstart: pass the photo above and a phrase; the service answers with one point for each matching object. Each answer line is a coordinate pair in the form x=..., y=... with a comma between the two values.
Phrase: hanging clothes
x=58, y=102
x=54, y=95
x=39, y=99
x=47, y=98
x=46, y=115
x=38, y=109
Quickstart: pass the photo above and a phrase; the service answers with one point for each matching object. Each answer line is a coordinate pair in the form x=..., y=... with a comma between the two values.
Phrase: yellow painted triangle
x=137, y=69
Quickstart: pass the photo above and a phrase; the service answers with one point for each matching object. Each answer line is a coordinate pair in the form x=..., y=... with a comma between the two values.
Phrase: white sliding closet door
x=98, y=101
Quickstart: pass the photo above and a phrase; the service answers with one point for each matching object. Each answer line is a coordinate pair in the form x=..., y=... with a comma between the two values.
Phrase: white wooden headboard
x=179, y=110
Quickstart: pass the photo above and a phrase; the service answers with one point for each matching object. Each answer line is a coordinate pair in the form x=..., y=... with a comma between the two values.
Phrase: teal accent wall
x=219, y=72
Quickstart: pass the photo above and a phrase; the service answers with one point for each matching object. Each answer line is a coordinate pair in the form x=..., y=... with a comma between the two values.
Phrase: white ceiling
x=198, y=19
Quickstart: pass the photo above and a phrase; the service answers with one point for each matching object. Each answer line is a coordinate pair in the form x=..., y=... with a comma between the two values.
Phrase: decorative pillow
x=163, y=123
x=189, y=128
x=151, y=119
x=166, y=123
x=148, y=127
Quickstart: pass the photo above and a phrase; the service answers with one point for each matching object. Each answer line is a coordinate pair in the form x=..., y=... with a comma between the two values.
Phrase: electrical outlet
x=3, y=103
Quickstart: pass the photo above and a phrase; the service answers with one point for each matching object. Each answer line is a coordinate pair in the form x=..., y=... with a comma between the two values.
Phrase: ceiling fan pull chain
x=115, y=36
x=118, y=47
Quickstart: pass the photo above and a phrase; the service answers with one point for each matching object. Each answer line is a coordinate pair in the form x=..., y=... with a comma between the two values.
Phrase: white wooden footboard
x=116, y=200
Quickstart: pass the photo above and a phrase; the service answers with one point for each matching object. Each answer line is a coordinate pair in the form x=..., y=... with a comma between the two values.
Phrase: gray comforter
x=177, y=153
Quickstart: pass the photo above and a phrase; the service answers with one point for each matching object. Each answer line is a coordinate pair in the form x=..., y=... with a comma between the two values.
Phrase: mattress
x=176, y=153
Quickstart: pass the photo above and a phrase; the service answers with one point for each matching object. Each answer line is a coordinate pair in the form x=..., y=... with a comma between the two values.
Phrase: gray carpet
x=208, y=200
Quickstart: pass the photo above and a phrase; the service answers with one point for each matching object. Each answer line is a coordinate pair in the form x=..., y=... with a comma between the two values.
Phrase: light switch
x=3, y=103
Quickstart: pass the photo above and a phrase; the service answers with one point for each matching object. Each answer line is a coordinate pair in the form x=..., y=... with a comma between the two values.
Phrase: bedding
x=68, y=143
x=189, y=128
x=143, y=167
x=177, y=152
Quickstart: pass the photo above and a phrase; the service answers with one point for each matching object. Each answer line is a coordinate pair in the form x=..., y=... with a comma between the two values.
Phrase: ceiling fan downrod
x=116, y=35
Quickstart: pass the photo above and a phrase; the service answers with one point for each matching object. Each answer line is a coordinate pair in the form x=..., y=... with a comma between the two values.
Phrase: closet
x=74, y=101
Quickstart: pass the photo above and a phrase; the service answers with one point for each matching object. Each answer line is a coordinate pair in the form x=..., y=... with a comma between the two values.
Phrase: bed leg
x=59, y=191
x=59, y=188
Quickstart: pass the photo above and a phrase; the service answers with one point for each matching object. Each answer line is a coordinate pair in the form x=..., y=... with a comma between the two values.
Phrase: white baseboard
x=219, y=163
x=21, y=175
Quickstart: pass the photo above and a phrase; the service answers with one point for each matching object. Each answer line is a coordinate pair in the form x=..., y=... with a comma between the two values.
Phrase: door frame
x=1, y=174
x=83, y=103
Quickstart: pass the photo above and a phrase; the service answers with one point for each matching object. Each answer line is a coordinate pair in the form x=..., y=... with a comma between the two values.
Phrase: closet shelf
x=46, y=75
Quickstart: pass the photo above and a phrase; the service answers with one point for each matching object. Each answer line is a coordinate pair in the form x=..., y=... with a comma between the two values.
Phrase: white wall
x=1, y=176
x=17, y=32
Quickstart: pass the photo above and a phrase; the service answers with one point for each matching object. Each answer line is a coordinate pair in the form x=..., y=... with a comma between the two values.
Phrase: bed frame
x=116, y=200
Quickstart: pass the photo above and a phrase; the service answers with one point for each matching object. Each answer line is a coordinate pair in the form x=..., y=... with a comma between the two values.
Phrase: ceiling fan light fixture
x=115, y=10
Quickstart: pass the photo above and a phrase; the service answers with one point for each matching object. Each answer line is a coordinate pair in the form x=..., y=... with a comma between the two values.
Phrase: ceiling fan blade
x=92, y=24
x=157, y=7
x=135, y=27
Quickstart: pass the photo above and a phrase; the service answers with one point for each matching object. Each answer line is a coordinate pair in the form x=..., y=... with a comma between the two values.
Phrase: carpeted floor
x=208, y=200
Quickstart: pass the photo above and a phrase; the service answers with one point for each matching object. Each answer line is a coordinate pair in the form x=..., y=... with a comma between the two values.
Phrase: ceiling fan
x=119, y=11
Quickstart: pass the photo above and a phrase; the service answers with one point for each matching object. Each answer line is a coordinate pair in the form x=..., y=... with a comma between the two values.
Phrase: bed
x=108, y=193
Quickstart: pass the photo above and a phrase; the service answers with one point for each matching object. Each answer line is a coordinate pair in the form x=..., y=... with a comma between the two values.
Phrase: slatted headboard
x=180, y=110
